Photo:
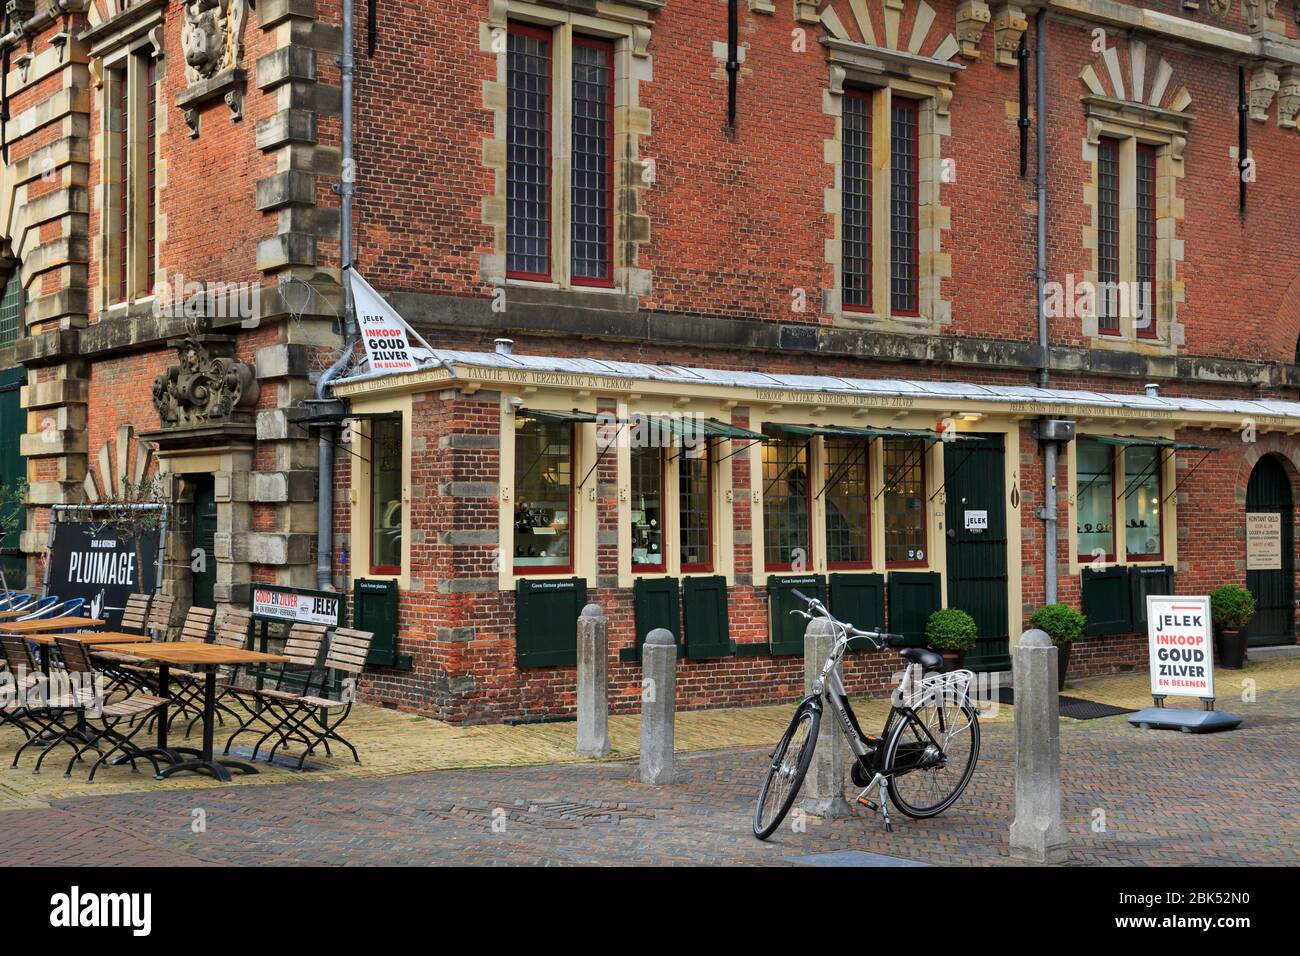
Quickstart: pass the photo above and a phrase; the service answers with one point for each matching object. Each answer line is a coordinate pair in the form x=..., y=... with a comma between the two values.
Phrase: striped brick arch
x=1136, y=77
x=891, y=24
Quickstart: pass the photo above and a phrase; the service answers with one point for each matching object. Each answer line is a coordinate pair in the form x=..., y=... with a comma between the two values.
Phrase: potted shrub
x=1064, y=625
x=951, y=631
x=1231, y=608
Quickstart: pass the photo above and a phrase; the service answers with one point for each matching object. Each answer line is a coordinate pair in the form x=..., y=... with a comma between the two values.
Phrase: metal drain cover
x=853, y=858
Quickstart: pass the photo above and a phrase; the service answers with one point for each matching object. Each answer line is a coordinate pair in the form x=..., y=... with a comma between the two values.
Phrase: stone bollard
x=658, y=705
x=593, y=682
x=1037, y=833
x=823, y=789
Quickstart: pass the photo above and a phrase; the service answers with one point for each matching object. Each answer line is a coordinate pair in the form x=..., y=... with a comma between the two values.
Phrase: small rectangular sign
x=977, y=521
x=1180, y=646
x=1263, y=541
x=296, y=605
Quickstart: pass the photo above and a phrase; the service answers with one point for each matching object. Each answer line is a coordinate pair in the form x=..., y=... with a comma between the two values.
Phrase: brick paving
x=1167, y=799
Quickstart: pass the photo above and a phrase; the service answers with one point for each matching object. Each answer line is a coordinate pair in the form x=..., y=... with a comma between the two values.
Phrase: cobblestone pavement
x=1159, y=797
x=393, y=743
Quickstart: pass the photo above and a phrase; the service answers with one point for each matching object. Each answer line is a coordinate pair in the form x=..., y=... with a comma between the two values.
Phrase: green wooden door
x=977, y=544
x=13, y=468
x=203, y=567
x=1269, y=490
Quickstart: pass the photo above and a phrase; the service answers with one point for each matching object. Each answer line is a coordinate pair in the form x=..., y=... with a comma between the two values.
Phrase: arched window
x=11, y=308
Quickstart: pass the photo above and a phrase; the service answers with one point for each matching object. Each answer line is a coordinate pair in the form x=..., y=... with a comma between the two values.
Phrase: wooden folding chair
x=303, y=648
x=76, y=658
x=160, y=616
x=315, y=719
x=41, y=713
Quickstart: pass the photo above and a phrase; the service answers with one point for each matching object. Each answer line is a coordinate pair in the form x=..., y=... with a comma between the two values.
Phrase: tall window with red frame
x=648, y=509
x=848, y=504
x=904, y=208
x=787, y=538
x=1145, y=183
x=1107, y=299
x=528, y=164
x=151, y=171
x=905, y=512
x=592, y=199
x=120, y=125
x=855, y=253
x=695, y=507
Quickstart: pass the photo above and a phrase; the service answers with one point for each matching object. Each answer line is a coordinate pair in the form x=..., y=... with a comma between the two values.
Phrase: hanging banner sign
x=1181, y=646
x=384, y=332
x=90, y=561
x=296, y=605
x=1263, y=541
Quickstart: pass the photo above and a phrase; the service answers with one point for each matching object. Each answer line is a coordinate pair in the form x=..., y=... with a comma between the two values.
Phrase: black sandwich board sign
x=88, y=560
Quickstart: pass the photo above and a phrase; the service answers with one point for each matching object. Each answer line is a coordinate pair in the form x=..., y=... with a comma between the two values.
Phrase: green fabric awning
x=845, y=431
x=1121, y=441
x=559, y=417
x=689, y=427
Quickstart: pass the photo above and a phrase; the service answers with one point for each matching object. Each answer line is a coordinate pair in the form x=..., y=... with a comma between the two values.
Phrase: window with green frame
x=11, y=308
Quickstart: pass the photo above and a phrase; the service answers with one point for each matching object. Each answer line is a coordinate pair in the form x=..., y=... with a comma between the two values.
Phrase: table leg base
x=218, y=769
x=169, y=754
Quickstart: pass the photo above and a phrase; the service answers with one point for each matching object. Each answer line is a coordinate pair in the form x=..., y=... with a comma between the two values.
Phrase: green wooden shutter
x=785, y=630
x=374, y=609
x=708, y=631
x=913, y=597
x=656, y=603
x=1106, y=600
x=1143, y=581
x=13, y=468
x=859, y=599
x=546, y=621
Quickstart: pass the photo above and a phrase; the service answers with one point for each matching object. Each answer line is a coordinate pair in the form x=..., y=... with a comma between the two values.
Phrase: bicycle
x=932, y=732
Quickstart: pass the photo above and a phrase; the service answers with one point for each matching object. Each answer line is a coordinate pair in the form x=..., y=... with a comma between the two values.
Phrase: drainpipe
x=345, y=188
x=1044, y=369
x=733, y=61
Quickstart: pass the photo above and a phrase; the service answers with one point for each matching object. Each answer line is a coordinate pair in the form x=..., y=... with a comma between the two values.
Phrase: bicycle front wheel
x=790, y=762
x=927, y=779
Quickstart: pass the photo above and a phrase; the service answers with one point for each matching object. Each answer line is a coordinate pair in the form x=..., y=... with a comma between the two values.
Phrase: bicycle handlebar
x=885, y=637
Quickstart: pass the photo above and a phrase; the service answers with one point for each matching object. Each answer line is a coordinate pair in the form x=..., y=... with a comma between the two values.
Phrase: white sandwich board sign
x=1181, y=641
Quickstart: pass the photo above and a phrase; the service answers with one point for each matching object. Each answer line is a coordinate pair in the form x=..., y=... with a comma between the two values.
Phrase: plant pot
x=1062, y=664
x=951, y=659
x=1230, y=647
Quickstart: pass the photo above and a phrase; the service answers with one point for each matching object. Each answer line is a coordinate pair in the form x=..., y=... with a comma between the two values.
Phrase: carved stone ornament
x=1009, y=25
x=205, y=388
x=1288, y=99
x=972, y=17
x=1220, y=8
x=212, y=37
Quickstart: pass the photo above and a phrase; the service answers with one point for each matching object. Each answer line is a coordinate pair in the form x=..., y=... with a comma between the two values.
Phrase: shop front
x=502, y=492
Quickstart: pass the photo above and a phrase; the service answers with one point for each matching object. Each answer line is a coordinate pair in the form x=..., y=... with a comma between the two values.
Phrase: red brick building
x=796, y=338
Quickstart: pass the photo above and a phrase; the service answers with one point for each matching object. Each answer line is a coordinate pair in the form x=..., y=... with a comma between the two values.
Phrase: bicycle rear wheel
x=790, y=762
x=926, y=780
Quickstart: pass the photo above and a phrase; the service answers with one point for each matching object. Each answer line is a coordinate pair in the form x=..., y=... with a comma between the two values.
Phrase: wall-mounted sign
x=88, y=560
x=977, y=521
x=1181, y=646
x=297, y=605
x=1263, y=541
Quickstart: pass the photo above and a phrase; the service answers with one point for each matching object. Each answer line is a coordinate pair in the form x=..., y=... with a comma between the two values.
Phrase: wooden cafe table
x=200, y=657
x=49, y=624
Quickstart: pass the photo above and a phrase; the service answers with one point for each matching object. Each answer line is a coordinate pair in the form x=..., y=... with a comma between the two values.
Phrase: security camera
x=515, y=403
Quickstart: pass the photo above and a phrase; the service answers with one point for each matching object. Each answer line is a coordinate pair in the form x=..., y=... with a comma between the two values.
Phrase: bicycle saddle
x=929, y=660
